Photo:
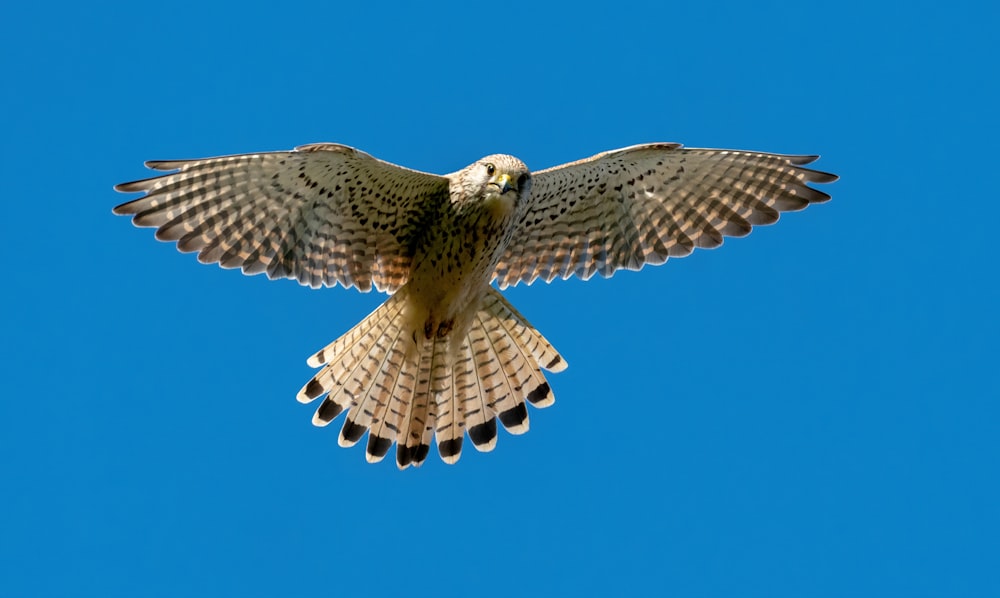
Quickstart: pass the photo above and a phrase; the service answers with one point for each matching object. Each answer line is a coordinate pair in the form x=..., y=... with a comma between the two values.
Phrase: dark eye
x=491, y=169
x=522, y=180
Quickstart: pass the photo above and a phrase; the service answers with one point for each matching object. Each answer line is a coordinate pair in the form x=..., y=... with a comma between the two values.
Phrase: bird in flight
x=446, y=354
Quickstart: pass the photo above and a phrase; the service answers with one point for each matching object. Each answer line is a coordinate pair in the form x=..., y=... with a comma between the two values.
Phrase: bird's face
x=496, y=179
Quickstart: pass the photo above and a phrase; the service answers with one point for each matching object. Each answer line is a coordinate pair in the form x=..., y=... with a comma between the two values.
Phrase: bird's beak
x=503, y=181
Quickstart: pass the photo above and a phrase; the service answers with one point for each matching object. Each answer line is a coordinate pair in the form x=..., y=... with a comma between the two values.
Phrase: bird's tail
x=405, y=388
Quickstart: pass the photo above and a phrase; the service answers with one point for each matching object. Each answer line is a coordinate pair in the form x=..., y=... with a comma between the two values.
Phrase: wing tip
x=136, y=186
x=165, y=164
x=122, y=209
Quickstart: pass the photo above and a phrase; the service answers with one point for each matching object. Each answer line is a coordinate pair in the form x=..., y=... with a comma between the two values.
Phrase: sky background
x=810, y=411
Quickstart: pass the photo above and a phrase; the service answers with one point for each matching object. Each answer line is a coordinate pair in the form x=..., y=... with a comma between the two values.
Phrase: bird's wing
x=643, y=204
x=322, y=214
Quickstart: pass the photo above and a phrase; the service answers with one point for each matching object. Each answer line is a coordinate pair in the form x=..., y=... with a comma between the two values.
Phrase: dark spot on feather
x=514, y=416
x=539, y=393
x=420, y=453
x=314, y=389
x=404, y=455
x=450, y=448
x=378, y=446
x=328, y=410
x=483, y=433
x=352, y=432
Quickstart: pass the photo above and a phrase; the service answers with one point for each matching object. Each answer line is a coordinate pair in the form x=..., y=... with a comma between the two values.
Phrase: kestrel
x=446, y=354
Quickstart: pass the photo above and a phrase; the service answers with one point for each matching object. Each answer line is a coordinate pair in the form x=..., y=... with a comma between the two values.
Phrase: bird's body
x=446, y=354
x=454, y=261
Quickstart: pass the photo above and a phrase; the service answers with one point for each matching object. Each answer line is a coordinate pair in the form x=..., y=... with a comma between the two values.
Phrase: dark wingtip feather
x=818, y=176
x=762, y=215
x=129, y=187
x=124, y=209
x=137, y=185
x=165, y=164
x=803, y=159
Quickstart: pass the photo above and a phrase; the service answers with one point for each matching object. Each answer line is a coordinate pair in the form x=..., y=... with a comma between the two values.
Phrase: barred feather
x=408, y=393
x=446, y=354
x=646, y=203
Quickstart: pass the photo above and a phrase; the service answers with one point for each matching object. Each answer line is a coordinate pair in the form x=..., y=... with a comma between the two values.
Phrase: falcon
x=446, y=355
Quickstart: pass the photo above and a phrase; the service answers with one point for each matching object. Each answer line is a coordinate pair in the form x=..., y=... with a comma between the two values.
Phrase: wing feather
x=646, y=203
x=323, y=214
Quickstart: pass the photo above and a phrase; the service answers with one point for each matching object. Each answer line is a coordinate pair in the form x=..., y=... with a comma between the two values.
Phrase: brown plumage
x=446, y=354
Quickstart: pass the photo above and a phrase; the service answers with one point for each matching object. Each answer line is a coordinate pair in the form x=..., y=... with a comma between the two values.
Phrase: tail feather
x=372, y=391
x=391, y=394
x=419, y=416
x=366, y=390
x=406, y=389
x=519, y=365
x=528, y=337
x=449, y=428
x=340, y=357
x=480, y=419
x=498, y=391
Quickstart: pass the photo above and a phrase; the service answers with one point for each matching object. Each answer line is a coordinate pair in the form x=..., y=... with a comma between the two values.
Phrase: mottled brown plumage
x=446, y=353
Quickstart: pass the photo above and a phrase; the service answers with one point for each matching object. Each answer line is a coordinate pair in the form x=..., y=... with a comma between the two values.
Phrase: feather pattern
x=323, y=214
x=644, y=204
x=446, y=355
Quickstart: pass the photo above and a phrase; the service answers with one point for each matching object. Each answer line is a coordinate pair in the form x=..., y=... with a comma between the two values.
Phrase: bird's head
x=495, y=178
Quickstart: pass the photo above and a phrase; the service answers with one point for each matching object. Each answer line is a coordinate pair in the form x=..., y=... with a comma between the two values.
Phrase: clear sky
x=810, y=411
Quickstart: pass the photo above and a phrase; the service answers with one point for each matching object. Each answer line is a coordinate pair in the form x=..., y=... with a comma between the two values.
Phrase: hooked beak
x=503, y=181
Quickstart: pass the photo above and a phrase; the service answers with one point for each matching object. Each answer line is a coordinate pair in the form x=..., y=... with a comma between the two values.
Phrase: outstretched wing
x=643, y=204
x=322, y=214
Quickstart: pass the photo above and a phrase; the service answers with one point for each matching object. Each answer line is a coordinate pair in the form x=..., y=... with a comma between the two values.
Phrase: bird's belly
x=451, y=273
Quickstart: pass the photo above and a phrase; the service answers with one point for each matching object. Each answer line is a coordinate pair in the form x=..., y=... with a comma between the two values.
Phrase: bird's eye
x=522, y=180
x=491, y=169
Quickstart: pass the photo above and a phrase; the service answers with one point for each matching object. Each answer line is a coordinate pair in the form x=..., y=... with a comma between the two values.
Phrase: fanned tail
x=409, y=390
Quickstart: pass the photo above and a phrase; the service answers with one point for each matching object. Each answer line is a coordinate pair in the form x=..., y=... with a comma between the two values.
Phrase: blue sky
x=809, y=411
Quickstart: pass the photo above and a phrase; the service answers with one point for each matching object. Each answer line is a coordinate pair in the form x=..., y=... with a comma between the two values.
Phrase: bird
x=446, y=355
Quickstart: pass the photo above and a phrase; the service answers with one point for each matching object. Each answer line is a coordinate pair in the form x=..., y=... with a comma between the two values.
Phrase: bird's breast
x=452, y=268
